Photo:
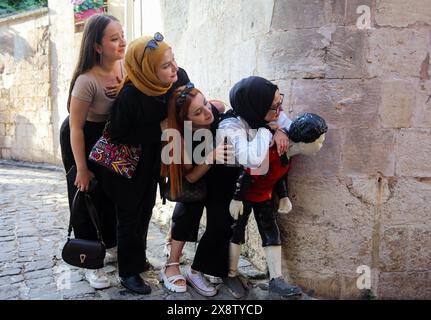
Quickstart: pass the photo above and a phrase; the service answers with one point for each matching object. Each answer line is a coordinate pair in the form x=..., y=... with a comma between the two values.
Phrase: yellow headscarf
x=142, y=69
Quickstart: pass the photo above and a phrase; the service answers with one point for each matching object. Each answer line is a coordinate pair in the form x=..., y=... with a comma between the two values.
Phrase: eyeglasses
x=182, y=97
x=152, y=44
x=277, y=107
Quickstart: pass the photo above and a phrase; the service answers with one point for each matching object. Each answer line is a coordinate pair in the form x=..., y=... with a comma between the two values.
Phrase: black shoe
x=281, y=288
x=236, y=286
x=136, y=284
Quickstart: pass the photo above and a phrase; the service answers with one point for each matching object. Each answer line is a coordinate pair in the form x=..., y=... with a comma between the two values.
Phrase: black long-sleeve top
x=135, y=117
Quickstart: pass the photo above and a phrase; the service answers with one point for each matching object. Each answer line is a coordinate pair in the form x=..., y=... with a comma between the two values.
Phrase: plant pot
x=87, y=13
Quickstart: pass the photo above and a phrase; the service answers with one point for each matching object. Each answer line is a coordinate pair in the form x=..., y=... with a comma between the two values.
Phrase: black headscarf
x=251, y=99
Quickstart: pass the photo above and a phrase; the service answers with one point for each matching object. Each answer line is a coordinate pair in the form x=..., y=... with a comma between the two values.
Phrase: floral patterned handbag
x=119, y=158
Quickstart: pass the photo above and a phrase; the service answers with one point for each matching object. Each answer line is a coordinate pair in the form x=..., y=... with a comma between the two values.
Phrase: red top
x=262, y=185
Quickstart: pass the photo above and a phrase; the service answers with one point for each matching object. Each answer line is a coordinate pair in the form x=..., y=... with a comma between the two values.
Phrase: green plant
x=83, y=5
x=8, y=7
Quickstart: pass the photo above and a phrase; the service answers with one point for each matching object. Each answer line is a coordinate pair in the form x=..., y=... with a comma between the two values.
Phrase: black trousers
x=186, y=220
x=134, y=201
x=264, y=213
x=82, y=226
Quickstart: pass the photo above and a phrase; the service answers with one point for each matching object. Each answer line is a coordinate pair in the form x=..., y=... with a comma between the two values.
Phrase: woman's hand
x=223, y=153
x=111, y=91
x=282, y=142
x=83, y=178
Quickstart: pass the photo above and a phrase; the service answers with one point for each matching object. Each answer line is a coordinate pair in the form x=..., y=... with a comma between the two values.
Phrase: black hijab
x=251, y=99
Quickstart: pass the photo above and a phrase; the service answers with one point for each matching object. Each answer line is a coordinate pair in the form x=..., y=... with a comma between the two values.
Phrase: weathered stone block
x=6, y=142
x=324, y=163
x=396, y=52
x=409, y=202
x=293, y=14
x=5, y=153
x=342, y=103
x=370, y=190
x=323, y=234
x=399, y=13
x=256, y=17
x=292, y=54
x=394, y=249
x=345, y=55
x=404, y=285
x=398, y=99
x=242, y=62
x=420, y=249
x=413, y=148
x=421, y=116
x=369, y=151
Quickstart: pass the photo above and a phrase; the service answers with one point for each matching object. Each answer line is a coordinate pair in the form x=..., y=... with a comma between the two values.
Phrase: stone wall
x=363, y=65
x=25, y=106
x=364, y=199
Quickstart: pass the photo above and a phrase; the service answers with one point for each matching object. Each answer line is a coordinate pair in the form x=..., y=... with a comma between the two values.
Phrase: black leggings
x=81, y=222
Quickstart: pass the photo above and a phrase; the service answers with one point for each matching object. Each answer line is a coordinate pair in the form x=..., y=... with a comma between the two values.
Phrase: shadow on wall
x=22, y=146
x=16, y=46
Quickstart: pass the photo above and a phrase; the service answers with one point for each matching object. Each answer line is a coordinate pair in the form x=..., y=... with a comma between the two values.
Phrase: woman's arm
x=78, y=115
x=222, y=151
x=197, y=172
x=250, y=154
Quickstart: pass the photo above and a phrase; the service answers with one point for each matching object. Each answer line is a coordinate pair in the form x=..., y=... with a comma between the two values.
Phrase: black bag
x=190, y=192
x=88, y=254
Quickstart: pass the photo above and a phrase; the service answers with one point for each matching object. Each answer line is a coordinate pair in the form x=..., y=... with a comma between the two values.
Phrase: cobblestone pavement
x=33, y=227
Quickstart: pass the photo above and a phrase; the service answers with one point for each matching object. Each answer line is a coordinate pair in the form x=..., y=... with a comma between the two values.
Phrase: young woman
x=91, y=95
x=152, y=75
x=189, y=104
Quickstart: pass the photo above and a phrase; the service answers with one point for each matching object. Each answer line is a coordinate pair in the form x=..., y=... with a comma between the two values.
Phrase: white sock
x=234, y=253
x=273, y=260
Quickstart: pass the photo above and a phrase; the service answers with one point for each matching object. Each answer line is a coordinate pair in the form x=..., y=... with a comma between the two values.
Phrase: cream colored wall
x=26, y=128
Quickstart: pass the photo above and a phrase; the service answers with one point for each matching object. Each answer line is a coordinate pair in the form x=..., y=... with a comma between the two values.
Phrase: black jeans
x=82, y=226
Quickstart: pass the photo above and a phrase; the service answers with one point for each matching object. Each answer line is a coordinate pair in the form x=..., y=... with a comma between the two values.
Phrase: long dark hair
x=88, y=56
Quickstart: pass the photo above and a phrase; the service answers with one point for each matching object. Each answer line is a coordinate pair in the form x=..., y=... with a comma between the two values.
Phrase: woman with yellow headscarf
x=152, y=75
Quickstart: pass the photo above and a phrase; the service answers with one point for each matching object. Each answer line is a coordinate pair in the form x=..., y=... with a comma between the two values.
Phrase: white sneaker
x=97, y=278
x=198, y=281
x=111, y=255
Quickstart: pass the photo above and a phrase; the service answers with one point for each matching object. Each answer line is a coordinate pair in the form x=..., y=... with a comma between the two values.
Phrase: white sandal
x=169, y=282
